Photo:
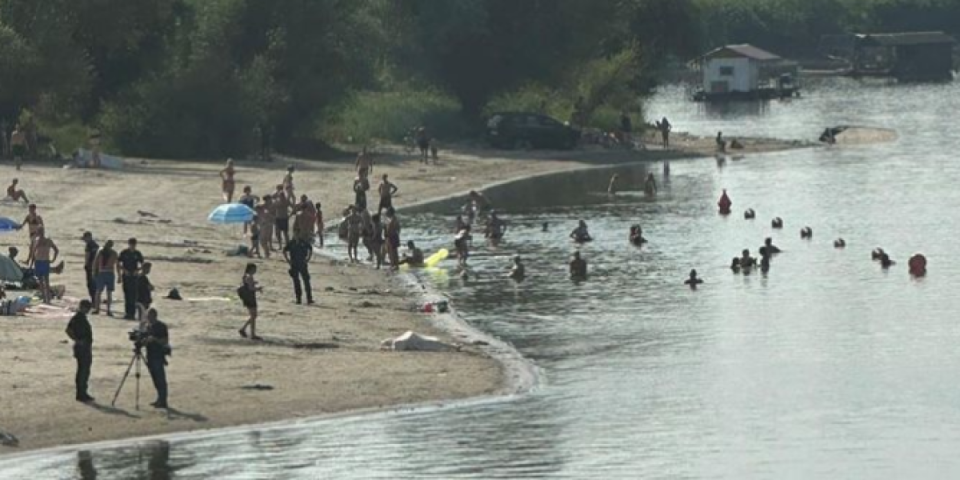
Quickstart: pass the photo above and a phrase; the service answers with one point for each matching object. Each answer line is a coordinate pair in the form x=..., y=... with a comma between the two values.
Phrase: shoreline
x=517, y=375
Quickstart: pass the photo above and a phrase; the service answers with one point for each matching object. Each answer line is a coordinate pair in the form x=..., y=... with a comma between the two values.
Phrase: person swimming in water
x=724, y=203
x=885, y=261
x=771, y=248
x=518, y=272
x=746, y=261
x=735, y=265
x=650, y=186
x=578, y=267
x=581, y=234
x=918, y=265
x=636, y=235
x=693, y=280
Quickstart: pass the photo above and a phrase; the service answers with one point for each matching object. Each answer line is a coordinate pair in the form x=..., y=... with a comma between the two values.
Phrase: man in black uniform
x=90, y=250
x=82, y=335
x=298, y=253
x=130, y=262
x=157, y=343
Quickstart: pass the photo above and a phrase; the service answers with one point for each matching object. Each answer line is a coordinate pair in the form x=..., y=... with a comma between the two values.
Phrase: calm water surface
x=827, y=367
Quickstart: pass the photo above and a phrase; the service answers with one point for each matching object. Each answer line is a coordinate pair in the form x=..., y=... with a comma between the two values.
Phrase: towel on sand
x=412, y=341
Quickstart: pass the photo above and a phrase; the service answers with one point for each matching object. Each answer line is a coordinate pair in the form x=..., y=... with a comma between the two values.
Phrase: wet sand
x=314, y=360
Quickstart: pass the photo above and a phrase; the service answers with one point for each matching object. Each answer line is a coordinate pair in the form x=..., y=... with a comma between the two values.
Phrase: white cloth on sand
x=109, y=162
x=414, y=342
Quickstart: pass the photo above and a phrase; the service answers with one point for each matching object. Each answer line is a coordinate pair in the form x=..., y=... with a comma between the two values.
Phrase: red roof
x=744, y=50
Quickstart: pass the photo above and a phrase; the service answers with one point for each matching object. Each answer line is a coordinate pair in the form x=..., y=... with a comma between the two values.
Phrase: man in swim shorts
x=281, y=215
x=41, y=262
x=104, y=266
x=387, y=190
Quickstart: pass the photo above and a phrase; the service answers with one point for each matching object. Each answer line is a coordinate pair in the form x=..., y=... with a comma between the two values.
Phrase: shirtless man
x=288, y=183
x=16, y=194
x=578, y=267
x=693, y=280
x=227, y=182
x=306, y=219
x=581, y=234
x=266, y=219
x=354, y=226
x=364, y=164
x=104, y=270
x=518, y=272
x=361, y=185
x=41, y=262
x=496, y=227
x=387, y=190
x=391, y=231
x=281, y=215
x=413, y=257
x=18, y=145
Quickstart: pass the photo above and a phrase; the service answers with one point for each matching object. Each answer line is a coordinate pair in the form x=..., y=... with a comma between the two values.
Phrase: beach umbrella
x=231, y=213
x=8, y=226
x=9, y=270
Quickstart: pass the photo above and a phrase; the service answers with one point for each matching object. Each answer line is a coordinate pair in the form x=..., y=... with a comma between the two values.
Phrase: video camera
x=138, y=337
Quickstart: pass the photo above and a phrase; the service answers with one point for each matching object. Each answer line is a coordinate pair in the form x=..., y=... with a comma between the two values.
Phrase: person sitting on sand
x=746, y=261
x=650, y=186
x=725, y=203
x=227, y=183
x=16, y=194
x=578, y=267
x=413, y=256
x=496, y=227
x=581, y=234
x=461, y=243
x=518, y=272
x=693, y=280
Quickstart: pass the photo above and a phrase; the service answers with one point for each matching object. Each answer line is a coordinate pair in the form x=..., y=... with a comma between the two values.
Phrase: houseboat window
x=726, y=71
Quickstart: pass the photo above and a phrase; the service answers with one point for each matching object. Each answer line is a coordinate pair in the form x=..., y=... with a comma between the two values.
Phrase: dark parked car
x=529, y=130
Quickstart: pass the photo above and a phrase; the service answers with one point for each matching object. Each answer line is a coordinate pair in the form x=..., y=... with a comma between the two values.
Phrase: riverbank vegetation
x=209, y=78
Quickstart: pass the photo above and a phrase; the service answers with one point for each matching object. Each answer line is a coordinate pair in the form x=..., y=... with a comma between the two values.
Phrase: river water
x=827, y=367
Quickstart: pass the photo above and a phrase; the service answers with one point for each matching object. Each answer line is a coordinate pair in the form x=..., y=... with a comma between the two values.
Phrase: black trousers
x=360, y=200
x=130, y=296
x=156, y=365
x=91, y=284
x=84, y=356
x=298, y=272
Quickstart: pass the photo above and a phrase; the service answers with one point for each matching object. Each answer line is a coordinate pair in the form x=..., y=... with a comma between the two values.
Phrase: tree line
x=209, y=78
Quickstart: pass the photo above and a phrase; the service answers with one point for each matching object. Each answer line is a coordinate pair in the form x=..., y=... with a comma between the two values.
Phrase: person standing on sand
x=15, y=194
x=250, y=200
x=387, y=190
x=364, y=164
x=227, y=183
x=392, y=238
x=306, y=219
x=89, y=260
x=41, y=262
x=376, y=239
x=129, y=264
x=360, y=187
x=281, y=214
x=158, y=347
x=665, y=128
x=34, y=222
x=144, y=289
x=104, y=266
x=423, y=143
x=354, y=226
x=288, y=183
x=298, y=253
x=248, y=295
x=18, y=145
x=79, y=330
x=319, y=209
x=265, y=217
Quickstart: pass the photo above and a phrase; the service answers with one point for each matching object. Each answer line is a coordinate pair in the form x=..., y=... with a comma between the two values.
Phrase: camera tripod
x=135, y=361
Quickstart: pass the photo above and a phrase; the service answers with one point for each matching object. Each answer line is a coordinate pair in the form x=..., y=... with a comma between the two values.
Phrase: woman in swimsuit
x=227, y=182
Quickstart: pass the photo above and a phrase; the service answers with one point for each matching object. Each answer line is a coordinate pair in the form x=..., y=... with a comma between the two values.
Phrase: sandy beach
x=315, y=360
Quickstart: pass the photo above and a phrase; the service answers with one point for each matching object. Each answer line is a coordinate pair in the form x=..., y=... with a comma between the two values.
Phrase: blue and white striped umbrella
x=231, y=213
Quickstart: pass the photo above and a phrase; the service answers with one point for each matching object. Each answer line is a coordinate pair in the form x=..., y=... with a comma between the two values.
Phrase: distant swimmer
x=578, y=267
x=777, y=223
x=724, y=203
x=735, y=265
x=885, y=261
x=545, y=227
x=746, y=261
x=636, y=235
x=806, y=232
x=771, y=248
x=876, y=254
x=765, y=256
x=496, y=227
x=581, y=234
x=749, y=214
x=918, y=265
x=518, y=272
x=650, y=186
x=612, y=187
x=839, y=243
x=693, y=280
